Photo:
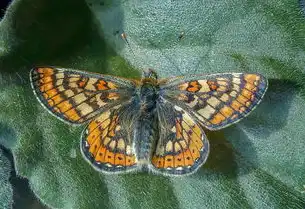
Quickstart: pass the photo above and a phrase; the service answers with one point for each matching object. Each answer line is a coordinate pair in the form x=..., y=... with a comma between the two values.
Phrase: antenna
x=124, y=37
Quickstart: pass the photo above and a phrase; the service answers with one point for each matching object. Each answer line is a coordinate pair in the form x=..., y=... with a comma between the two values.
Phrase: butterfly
x=150, y=124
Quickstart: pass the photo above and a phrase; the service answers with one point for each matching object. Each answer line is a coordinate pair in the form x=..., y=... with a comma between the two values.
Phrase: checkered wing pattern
x=182, y=146
x=75, y=96
x=106, y=143
x=216, y=100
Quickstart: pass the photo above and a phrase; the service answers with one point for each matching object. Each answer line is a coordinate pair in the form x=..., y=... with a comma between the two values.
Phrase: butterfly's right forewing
x=76, y=96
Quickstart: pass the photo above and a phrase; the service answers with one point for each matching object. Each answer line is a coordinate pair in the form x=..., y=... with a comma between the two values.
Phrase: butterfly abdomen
x=143, y=140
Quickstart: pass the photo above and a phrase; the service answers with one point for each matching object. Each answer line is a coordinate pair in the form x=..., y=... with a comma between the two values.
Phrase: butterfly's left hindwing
x=76, y=96
x=216, y=100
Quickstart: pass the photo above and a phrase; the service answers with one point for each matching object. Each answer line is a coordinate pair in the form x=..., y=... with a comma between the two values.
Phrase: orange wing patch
x=106, y=145
x=193, y=86
x=104, y=85
x=81, y=83
x=212, y=85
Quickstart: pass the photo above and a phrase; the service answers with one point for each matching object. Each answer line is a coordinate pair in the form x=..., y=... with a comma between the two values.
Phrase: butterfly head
x=149, y=74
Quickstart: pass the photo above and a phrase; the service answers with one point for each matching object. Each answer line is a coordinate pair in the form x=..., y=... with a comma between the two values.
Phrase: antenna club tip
x=124, y=36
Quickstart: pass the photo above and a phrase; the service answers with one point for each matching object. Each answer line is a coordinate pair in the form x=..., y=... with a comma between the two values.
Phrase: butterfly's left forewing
x=76, y=96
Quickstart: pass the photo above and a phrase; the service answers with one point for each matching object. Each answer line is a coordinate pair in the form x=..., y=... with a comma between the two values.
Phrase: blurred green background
x=257, y=163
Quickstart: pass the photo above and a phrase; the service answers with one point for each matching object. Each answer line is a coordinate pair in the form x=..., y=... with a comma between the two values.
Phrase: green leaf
x=257, y=163
x=6, y=190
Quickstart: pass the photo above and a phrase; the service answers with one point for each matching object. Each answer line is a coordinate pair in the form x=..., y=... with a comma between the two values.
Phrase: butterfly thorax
x=149, y=94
